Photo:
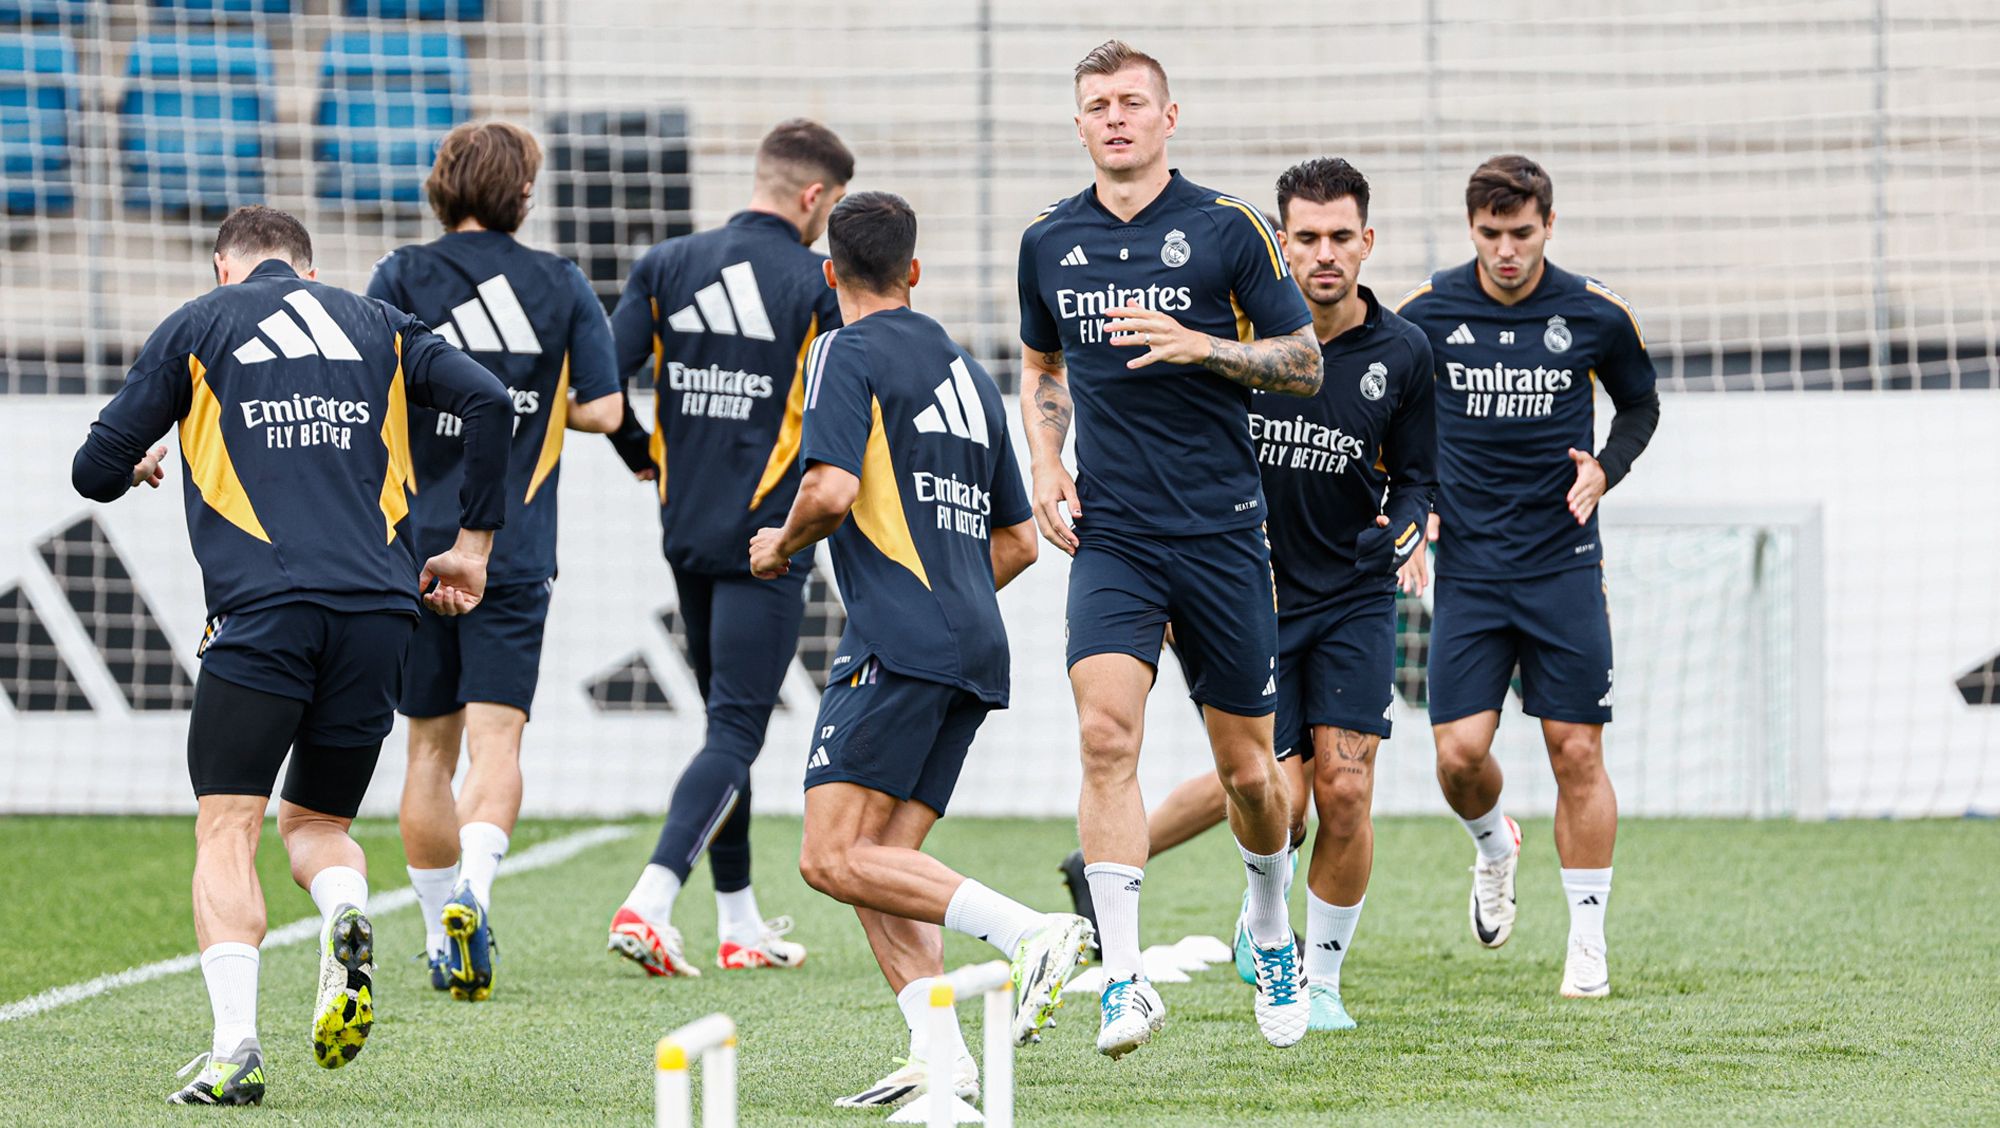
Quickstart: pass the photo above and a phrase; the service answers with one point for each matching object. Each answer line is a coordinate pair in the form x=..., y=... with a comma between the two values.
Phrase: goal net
x=1796, y=198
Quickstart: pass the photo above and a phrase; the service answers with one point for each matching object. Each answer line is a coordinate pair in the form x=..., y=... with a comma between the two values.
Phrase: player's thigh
x=941, y=769
x=1110, y=689
x=875, y=730
x=358, y=679
x=430, y=667
x=1118, y=593
x=1566, y=647
x=1290, y=736
x=694, y=593
x=753, y=636
x=1225, y=620
x=500, y=646
x=238, y=737
x=1473, y=650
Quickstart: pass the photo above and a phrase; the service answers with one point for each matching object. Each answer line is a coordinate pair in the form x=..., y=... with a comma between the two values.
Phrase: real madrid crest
x=1556, y=337
x=1176, y=250
x=1375, y=381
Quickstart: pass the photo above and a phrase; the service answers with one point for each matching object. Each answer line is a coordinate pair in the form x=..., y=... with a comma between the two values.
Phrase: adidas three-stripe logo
x=1460, y=336
x=1076, y=257
x=498, y=325
x=320, y=336
x=729, y=307
x=957, y=409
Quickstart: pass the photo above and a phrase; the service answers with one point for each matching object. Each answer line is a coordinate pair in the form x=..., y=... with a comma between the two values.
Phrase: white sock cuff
x=1118, y=868
x=1250, y=855
x=1313, y=901
x=443, y=872
x=335, y=886
x=228, y=949
x=1587, y=880
x=486, y=834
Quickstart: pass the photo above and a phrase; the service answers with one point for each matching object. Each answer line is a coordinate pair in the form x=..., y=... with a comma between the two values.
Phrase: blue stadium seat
x=37, y=76
x=14, y=13
x=194, y=120
x=386, y=100
x=228, y=7
x=418, y=9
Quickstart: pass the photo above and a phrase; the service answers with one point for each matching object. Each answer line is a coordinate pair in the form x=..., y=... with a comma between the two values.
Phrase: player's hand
x=1589, y=487
x=1415, y=574
x=649, y=474
x=767, y=557
x=1054, y=488
x=453, y=581
x=1161, y=336
x=147, y=471
x=1431, y=528
x=1381, y=551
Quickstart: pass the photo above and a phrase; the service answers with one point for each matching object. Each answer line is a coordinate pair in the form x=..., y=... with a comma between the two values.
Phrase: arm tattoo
x=1052, y=400
x=1289, y=365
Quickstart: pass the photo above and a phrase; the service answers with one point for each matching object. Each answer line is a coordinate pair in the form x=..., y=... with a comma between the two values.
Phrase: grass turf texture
x=1837, y=973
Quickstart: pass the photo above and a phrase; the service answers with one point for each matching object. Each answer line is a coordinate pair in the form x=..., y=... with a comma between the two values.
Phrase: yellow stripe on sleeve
x=785, y=450
x=1263, y=232
x=1622, y=304
x=878, y=510
x=552, y=439
x=397, y=477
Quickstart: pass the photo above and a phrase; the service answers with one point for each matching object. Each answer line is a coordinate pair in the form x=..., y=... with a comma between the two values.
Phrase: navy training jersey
x=893, y=400
x=291, y=398
x=530, y=318
x=721, y=321
x=1328, y=459
x=1163, y=449
x=1515, y=391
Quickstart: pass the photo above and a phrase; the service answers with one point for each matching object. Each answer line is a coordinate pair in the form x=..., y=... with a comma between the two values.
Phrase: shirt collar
x=1370, y=320
x=1173, y=188
x=766, y=219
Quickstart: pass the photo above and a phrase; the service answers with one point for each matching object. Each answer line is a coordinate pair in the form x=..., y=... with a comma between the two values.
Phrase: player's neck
x=1518, y=294
x=767, y=206
x=1126, y=195
x=1330, y=321
x=857, y=304
x=467, y=224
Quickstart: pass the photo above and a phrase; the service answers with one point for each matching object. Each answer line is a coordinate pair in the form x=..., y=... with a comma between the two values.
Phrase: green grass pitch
x=1762, y=972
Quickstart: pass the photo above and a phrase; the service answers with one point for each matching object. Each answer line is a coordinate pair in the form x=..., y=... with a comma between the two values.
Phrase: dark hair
x=258, y=230
x=1506, y=183
x=873, y=236
x=481, y=172
x=811, y=151
x=1114, y=55
x=1322, y=180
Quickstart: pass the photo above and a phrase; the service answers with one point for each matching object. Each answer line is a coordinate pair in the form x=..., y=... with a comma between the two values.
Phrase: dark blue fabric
x=725, y=401
x=741, y=636
x=1556, y=626
x=467, y=285
x=1160, y=449
x=1514, y=395
x=492, y=655
x=1336, y=666
x=1328, y=460
x=347, y=667
x=902, y=736
x=309, y=439
x=1124, y=588
x=894, y=401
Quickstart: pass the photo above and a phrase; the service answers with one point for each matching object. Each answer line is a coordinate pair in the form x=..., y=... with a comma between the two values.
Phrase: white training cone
x=1209, y=948
x=1162, y=965
x=1089, y=981
x=919, y=1112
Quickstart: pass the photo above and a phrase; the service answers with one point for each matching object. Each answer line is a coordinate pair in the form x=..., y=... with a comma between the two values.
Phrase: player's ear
x=916, y=272
x=1173, y=117
x=1549, y=225
x=1367, y=241
x=826, y=269
x=215, y=261
x=810, y=194
x=312, y=274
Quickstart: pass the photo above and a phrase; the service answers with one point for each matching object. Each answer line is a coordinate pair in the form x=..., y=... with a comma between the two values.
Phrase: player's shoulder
x=1405, y=333
x=1230, y=214
x=1441, y=289
x=1591, y=298
x=1051, y=217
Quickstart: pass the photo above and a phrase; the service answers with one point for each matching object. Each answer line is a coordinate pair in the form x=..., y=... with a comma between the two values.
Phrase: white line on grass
x=553, y=852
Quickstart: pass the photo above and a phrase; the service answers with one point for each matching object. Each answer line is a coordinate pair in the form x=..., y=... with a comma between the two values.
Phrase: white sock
x=737, y=920
x=1269, y=875
x=433, y=888
x=1329, y=932
x=1114, y=890
x=231, y=971
x=982, y=914
x=481, y=845
x=1489, y=834
x=653, y=897
x=335, y=886
x=1589, y=893
x=915, y=1002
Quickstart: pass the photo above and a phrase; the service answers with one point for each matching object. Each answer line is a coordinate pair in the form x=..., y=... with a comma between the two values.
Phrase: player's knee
x=1109, y=743
x=1343, y=800
x=243, y=822
x=1459, y=758
x=1577, y=758
x=1254, y=782
x=827, y=870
